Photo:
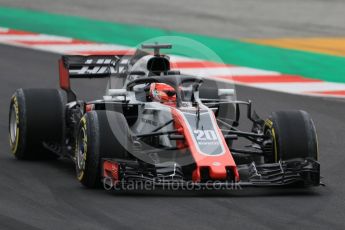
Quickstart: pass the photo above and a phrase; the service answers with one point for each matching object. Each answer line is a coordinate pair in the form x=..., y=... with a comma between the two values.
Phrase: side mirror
x=117, y=92
x=226, y=92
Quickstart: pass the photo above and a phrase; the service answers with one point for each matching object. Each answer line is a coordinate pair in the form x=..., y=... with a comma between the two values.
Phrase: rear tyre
x=36, y=117
x=101, y=134
x=293, y=135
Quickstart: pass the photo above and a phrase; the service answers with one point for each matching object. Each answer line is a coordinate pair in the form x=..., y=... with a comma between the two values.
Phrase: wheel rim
x=13, y=125
x=81, y=149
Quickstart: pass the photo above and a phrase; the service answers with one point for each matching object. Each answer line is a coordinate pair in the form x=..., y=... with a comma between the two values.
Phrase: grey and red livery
x=188, y=135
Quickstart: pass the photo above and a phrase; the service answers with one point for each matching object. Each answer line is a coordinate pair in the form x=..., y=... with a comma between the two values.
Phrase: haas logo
x=108, y=66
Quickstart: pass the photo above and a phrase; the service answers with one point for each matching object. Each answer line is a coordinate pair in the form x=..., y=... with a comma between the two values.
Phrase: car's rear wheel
x=292, y=135
x=36, y=117
x=101, y=134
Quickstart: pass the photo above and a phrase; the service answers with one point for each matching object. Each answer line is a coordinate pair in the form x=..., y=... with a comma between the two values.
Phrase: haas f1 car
x=156, y=124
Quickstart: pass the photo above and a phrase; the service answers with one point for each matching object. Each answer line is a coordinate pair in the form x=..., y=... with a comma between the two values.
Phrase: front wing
x=305, y=172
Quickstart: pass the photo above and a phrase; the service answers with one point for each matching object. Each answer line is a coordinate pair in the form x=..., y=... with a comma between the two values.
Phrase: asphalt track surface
x=46, y=195
x=221, y=18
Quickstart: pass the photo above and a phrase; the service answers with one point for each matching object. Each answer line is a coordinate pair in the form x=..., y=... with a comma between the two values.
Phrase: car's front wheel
x=101, y=134
x=293, y=135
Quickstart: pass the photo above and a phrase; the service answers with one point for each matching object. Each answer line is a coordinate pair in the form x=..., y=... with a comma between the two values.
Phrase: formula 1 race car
x=158, y=125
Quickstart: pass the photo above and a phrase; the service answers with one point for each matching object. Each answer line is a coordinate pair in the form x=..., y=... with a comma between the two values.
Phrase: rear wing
x=92, y=66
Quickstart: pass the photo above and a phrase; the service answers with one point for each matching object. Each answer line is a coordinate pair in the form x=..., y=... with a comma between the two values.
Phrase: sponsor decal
x=204, y=134
x=206, y=137
x=108, y=66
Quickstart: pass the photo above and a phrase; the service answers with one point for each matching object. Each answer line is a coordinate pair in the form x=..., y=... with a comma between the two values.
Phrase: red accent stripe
x=16, y=32
x=333, y=92
x=73, y=42
x=196, y=64
x=269, y=79
x=204, y=161
x=111, y=171
x=64, y=76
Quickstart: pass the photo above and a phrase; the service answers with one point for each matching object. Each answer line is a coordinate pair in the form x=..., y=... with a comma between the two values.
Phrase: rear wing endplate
x=92, y=66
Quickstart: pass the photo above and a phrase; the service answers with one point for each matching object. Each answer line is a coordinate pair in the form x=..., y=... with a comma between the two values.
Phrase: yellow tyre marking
x=83, y=123
x=80, y=176
x=14, y=146
x=275, y=145
x=269, y=124
x=317, y=145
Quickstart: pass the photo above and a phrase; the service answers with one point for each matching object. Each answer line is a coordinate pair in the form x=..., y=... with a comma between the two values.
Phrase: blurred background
x=220, y=18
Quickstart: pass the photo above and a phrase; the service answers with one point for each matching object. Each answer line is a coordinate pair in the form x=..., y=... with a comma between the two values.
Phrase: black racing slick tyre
x=101, y=134
x=36, y=117
x=293, y=136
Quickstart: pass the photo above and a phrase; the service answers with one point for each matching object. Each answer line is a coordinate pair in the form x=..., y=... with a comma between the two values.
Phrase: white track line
x=228, y=71
x=300, y=87
x=3, y=30
x=34, y=38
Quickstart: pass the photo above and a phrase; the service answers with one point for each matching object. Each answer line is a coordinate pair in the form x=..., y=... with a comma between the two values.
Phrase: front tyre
x=294, y=142
x=293, y=135
x=96, y=139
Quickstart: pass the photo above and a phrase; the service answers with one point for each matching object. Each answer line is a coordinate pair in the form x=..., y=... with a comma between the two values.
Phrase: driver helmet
x=163, y=93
